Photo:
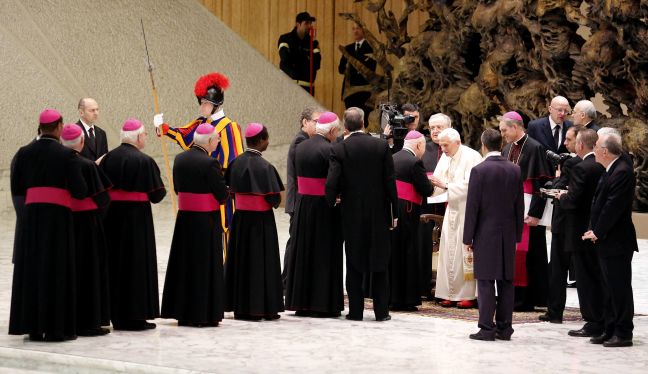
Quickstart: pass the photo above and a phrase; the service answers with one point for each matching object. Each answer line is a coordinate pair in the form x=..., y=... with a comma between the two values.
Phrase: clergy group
x=85, y=252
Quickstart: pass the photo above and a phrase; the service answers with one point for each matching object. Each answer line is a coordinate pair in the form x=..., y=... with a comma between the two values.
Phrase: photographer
x=560, y=257
x=399, y=124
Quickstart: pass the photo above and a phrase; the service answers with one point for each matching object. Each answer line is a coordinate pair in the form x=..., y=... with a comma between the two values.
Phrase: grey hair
x=130, y=136
x=72, y=142
x=588, y=108
x=203, y=139
x=440, y=117
x=308, y=113
x=451, y=134
x=613, y=143
x=353, y=118
x=607, y=130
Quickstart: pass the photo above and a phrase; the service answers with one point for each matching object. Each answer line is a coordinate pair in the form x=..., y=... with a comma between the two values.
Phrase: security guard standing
x=295, y=53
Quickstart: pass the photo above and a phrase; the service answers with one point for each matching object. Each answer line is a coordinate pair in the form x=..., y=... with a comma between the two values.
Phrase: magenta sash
x=406, y=191
x=255, y=203
x=48, y=195
x=311, y=186
x=83, y=205
x=197, y=202
x=121, y=195
x=520, y=277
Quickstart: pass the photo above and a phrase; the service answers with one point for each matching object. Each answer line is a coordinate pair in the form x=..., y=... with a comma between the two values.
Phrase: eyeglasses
x=561, y=111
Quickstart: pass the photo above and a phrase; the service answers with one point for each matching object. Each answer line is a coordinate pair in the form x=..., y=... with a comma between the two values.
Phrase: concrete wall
x=54, y=52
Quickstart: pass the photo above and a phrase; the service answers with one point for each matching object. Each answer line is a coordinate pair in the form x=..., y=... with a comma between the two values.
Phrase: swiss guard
x=209, y=91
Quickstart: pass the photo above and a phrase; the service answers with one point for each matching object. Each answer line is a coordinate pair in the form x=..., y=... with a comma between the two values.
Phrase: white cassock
x=450, y=283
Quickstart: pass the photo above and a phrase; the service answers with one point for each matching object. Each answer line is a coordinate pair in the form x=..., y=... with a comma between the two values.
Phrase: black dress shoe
x=500, y=336
x=548, y=318
x=352, y=318
x=271, y=317
x=383, y=319
x=247, y=317
x=582, y=333
x=95, y=331
x=482, y=336
x=600, y=339
x=149, y=325
x=615, y=341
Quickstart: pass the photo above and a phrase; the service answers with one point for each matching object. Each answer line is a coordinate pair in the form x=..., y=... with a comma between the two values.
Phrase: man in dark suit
x=308, y=120
x=576, y=203
x=560, y=257
x=356, y=90
x=615, y=239
x=494, y=219
x=584, y=115
x=550, y=131
x=361, y=174
x=96, y=144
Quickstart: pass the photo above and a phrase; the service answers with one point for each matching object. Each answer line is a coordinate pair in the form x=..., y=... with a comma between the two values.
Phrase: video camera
x=398, y=122
x=557, y=159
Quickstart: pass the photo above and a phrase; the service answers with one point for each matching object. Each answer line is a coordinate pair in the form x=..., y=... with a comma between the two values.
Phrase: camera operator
x=395, y=132
x=560, y=257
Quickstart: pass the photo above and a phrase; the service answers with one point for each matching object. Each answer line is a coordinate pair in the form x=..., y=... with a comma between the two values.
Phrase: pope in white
x=455, y=282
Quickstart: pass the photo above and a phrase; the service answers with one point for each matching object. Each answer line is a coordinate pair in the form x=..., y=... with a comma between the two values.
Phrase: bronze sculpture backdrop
x=475, y=59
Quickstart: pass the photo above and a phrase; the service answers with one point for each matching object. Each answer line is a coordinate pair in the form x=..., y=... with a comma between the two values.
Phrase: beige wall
x=261, y=22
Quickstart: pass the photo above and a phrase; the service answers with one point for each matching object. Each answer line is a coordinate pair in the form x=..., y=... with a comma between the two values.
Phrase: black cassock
x=43, y=298
x=93, y=297
x=314, y=271
x=193, y=289
x=412, y=186
x=531, y=269
x=253, y=284
x=130, y=235
x=430, y=159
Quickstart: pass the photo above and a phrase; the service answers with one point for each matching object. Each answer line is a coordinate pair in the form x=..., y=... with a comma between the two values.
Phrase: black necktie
x=557, y=136
x=91, y=133
x=357, y=46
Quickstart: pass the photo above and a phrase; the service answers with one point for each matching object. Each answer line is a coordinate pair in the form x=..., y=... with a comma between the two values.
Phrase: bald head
x=559, y=109
x=88, y=110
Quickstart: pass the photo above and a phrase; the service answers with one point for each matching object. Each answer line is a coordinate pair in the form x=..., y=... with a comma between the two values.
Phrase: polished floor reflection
x=408, y=343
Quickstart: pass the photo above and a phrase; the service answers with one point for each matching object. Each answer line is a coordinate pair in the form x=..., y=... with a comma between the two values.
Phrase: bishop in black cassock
x=194, y=285
x=314, y=271
x=132, y=259
x=253, y=287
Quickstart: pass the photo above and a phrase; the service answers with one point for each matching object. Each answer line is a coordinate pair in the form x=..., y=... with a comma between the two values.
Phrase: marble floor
x=407, y=343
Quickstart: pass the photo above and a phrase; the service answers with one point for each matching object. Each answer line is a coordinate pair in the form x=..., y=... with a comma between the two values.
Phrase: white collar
x=218, y=115
x=253, y=151
x=491, y=154
x=607, y=169
x=554, y=124
x=354, y=132
x=86, y=126
x=587, y=155
x=360, y=41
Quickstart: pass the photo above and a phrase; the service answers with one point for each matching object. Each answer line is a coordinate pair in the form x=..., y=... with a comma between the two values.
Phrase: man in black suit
x=361, y=175
x=576, y=203
x=560, y=257
x=550, y=131
x=96, y=144
x=356, y=90
x=494, y=220
x=615, y=239
x=308, y=121
x=584, y=115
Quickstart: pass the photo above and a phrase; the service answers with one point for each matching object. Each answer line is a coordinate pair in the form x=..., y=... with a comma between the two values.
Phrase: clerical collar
x=49, y=137
x=86, y=126
x=520, y=140
x=587, y=155
x=252, y=150
x=405, y=148
x=200, y=148
x=491, y=154
x=325, y=138
x=607, y=169
x=218, y=115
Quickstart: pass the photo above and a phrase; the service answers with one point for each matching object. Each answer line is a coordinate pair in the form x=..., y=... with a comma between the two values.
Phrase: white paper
x=546, y=215
x=443, y=198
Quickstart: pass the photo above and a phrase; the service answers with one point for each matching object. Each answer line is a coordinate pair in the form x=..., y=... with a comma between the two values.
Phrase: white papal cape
x=450, y=283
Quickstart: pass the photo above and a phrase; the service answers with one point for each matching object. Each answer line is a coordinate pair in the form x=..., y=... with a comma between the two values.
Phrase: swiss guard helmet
x=210, y=87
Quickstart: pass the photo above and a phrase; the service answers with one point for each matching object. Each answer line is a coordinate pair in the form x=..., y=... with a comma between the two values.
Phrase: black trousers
x=589, y=285
x=558, y=268
x=287, y=254
x=379, y=291
x=619, y=303
x=535, y=293
x=500, y=307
